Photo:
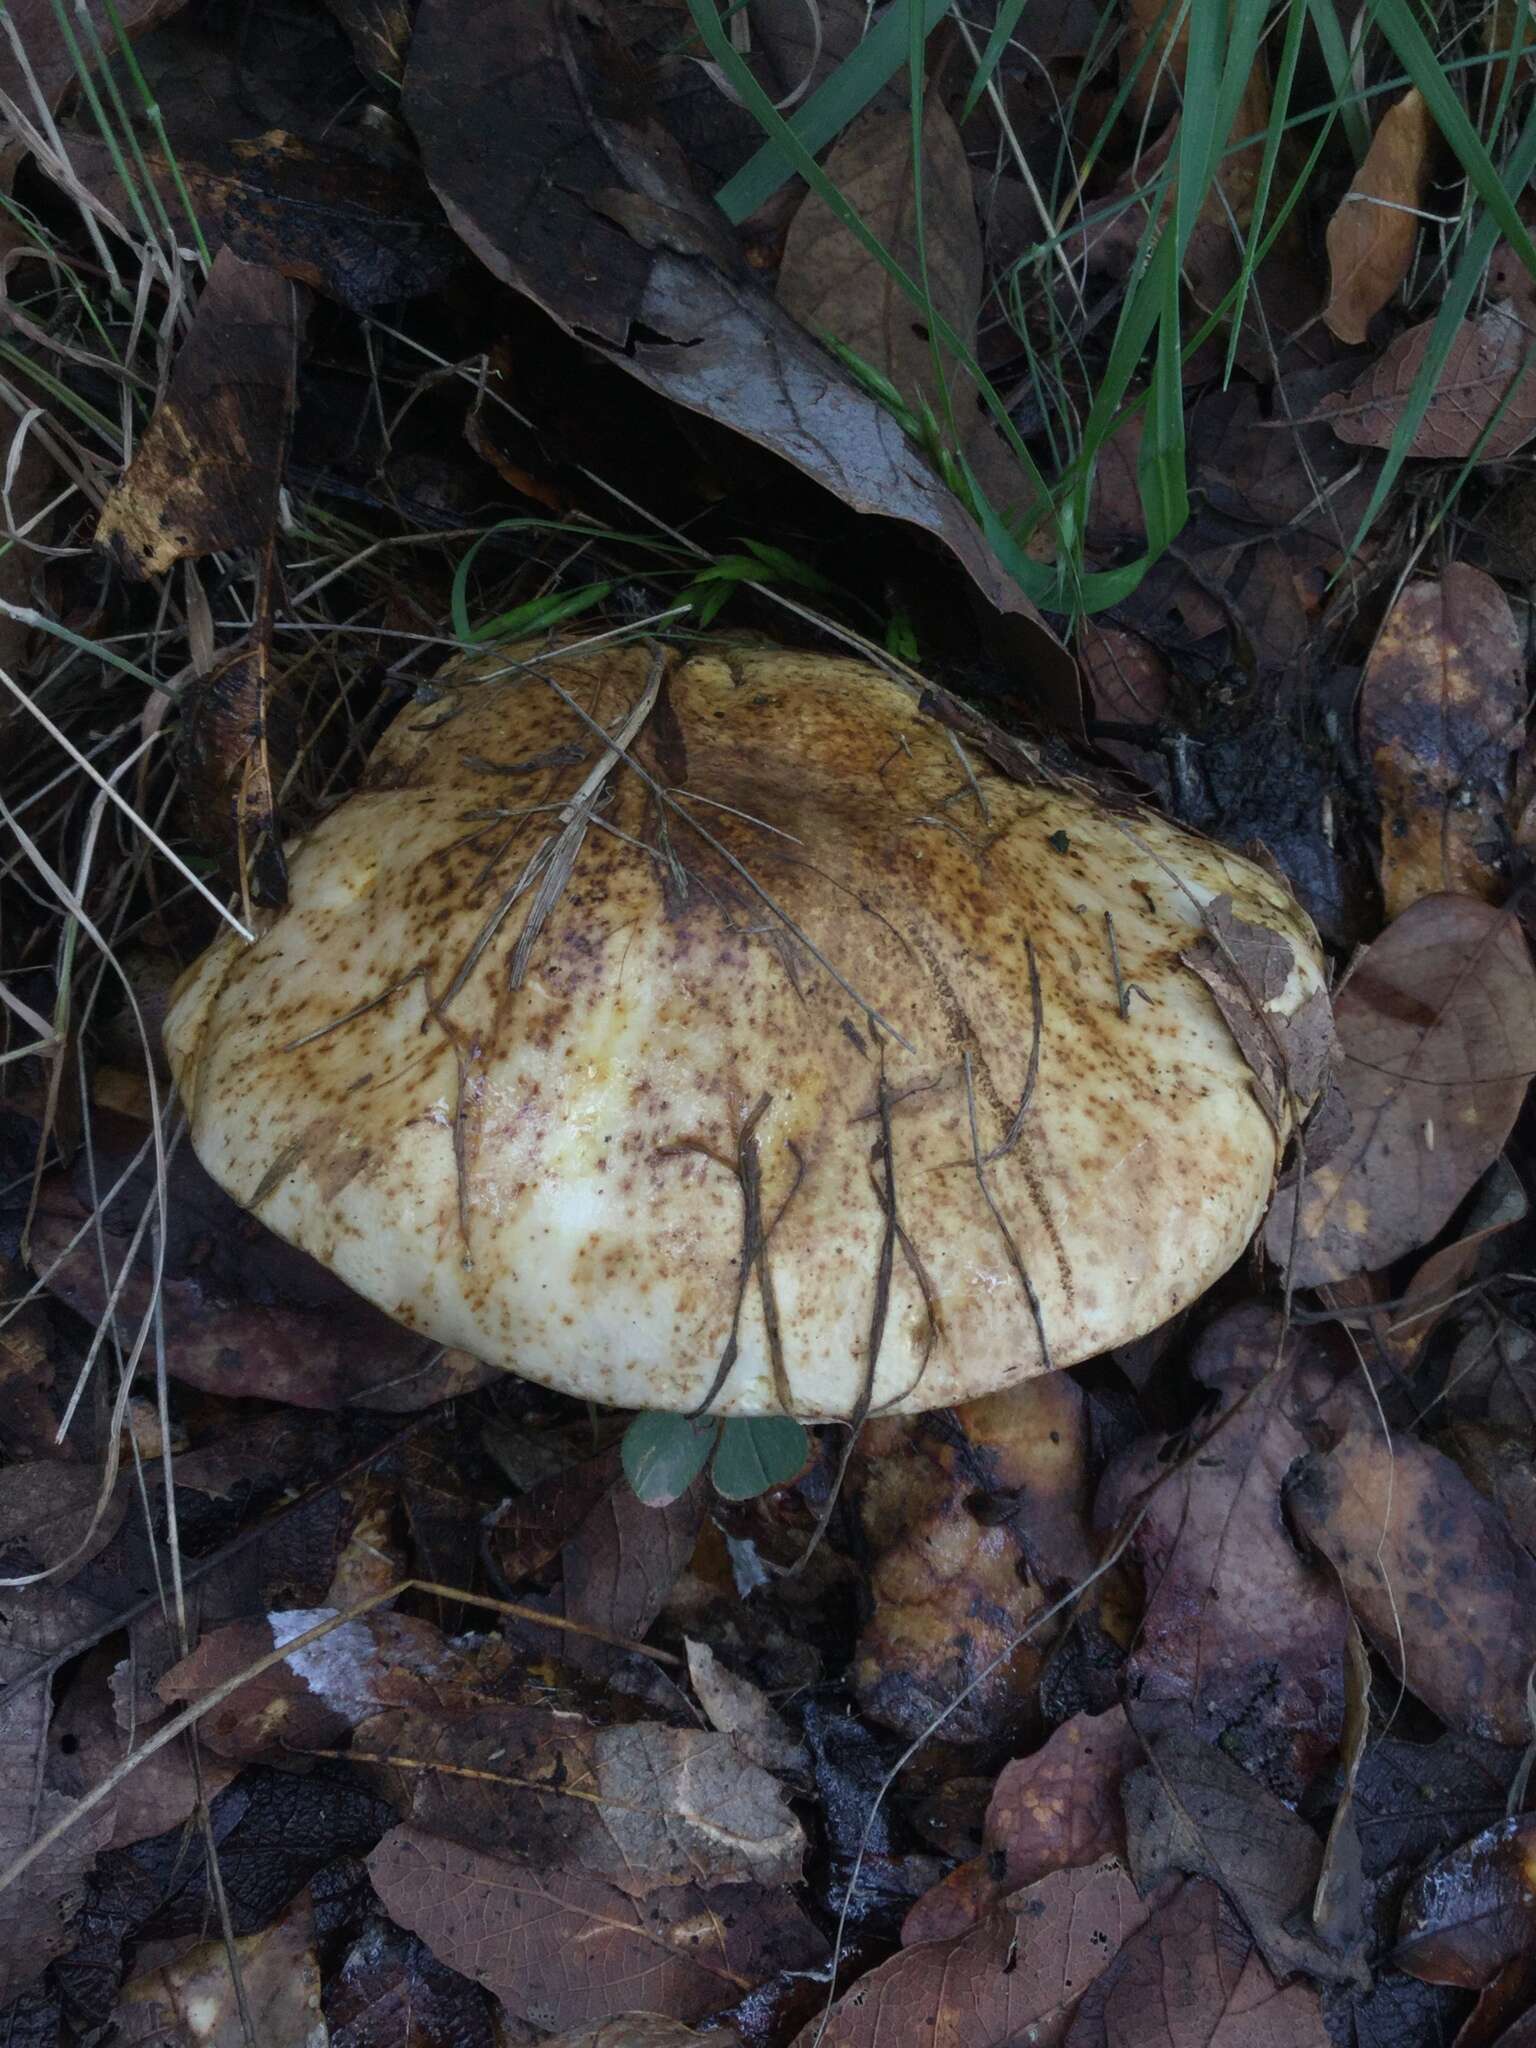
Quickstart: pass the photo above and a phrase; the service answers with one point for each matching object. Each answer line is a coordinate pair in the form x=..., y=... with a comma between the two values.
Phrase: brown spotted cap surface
x=734, y=1120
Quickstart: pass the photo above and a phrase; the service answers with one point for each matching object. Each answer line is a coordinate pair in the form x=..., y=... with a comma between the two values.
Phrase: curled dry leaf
x=1190, y=1808
x=563, y=1952
x=1241, y=1642
x=1474, y=1912
x=1487, y=372
x=1442, y=708
x=640, y=1807
x=1437, y=1031
x=1056, y=1810
x=1372, y=234
x=1017, y=1977
x=206, y=474
x=600, y=223
x=1431, y=1571
x=1191, y=1975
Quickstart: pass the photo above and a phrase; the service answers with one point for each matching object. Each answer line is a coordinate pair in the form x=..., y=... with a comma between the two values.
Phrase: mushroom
x=726, y=1032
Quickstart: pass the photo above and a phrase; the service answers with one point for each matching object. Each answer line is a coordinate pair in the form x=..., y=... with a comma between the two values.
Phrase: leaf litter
x=369, y=1700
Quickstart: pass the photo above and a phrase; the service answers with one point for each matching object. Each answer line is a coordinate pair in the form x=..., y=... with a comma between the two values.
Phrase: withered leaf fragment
x=1246, y=967
x=206, y=474
x=1437, y=1031
x=1442, y=707
x=226, y=763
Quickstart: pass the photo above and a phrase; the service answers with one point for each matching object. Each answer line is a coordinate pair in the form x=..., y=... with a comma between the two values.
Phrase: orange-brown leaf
x=1372, y=234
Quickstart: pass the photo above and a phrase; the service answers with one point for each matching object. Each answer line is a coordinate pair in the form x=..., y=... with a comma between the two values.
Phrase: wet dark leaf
x=1431, y=1572
x=206, y=473
x=1474, y=1912
x=390, y=1991
x=1437, y=1032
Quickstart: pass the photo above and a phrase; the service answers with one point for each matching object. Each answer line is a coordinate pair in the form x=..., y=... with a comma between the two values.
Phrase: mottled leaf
x=1442, y=708
x=195, y=2000
x=1431, y=1572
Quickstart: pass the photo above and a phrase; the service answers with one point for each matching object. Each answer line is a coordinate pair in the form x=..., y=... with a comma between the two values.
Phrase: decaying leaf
x=207, y=472
x=735, y=1706
x=640, y=1807
x=1056, y=1810
x=1191, y=1809
x=193, y=2001
x=565, y=1952
x=1191, y=1975
x=1016, y=1977
x=618, y=245
x=1442, y=709
x=1241, y=1641
x=1487, y=372
x=1372, y=234
x=952, y=1588
x=1431, y=1571
x=1437, y=1032
x=1473, y=1912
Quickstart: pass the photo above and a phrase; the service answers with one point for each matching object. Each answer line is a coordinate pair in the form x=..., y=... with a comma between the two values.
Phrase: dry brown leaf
x=1191, y=1975
x=1190, y=1808
x=1487, y=371
x=1437, y=1031
x=1372, y=234
x=1442, y=709
x=1056, y=1810
x=206, y=474
x=1015, y=1978
x=830, y=283
x=735, y=1706
x=640, y=1807
x=1431, y=1572
x=226, y=762
x=566, y=1952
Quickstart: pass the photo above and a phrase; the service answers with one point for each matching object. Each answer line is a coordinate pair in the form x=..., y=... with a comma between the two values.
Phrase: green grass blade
x=1329, y=30
x=828, y=110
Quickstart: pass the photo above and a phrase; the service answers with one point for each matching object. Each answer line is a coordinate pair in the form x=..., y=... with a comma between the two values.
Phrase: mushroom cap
x=732, y=1124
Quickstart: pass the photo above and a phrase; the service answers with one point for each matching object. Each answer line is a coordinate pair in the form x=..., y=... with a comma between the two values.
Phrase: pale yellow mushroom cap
x=720, y=1133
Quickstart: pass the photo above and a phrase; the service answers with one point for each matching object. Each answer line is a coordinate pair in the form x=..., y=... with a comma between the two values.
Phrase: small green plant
x=664, y=1454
